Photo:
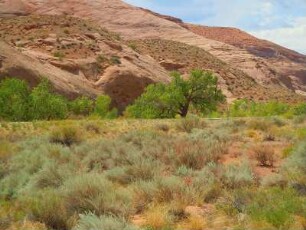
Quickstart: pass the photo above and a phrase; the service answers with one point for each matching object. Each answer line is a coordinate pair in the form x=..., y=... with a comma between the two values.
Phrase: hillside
x=77, y=56
x=234, y=82
x=258, y=69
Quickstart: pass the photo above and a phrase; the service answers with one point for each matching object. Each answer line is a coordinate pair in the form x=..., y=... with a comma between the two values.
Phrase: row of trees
x=199, y=93
x=247, y=108
x=19, y=103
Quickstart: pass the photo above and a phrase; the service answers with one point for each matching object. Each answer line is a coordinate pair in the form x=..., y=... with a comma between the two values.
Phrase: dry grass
x=265, y=155
x=130, y=168
x=157, y=218
x=28, y=225
x=194, y=223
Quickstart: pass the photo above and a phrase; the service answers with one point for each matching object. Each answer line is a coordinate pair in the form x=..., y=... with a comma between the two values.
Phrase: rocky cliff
x=118, y=49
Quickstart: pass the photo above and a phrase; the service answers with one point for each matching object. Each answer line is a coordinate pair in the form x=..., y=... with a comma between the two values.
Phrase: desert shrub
x=115, y=60
x=132, y=45
x=101, y=58
x=278, y=122
x=6, y=150
x=237, y=175
x=238, y=122
x=191, y=154
x=51, y=176
x=196, y=153
x=264, y=155
x=300, y=133
x=183, y=171
x=144, y=193
x=47, y=207
x=102, y=107
x=141, y=169
x=28, y=225
x=46, y=105
x=287, y=151
x=162, y=189
x=163, y=127
x=205, y=185
x=259, y=124
x=82, y=106
x=299, y=119
x=275, y=206
x=65, y=135
x=157, y=218
x=269, y=137
x=93, y=127
x=93, y=193
x=294, y=168
x=14, y=100
x=59, y=54
x=104, y=222
x=22, y=166
x=169, y=188
x=200, y=92
x=190, y=123
x=118, y=174
x=195, y=222
x=274, y=180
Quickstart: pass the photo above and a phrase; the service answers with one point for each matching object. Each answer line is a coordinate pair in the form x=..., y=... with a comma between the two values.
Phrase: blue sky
x=281, y=21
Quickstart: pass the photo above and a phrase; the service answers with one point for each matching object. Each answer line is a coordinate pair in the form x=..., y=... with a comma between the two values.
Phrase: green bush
x=14, y=100
x=18, y=103
x=46, y=105
x=300, y=109
x=245, y=108
x=102, y=107
x=82, y=106
x=93, y=222
x=275, y=206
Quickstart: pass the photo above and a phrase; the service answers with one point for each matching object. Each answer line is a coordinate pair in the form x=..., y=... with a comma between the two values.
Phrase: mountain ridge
x=254, y=57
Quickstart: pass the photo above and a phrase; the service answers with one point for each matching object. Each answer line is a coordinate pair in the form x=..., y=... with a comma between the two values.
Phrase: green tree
x=200, y=91
x=14, y=99
x=82, y=106
x=46, y=105
x=103, y=107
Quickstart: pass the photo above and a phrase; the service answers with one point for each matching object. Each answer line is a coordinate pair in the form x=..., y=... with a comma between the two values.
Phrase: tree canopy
x=199, y=91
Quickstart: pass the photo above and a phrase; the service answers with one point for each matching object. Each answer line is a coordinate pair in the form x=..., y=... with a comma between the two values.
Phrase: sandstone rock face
x=133, y=22
x=272, y=62
x=268, y=64
x=77, y=57
x=13, y=8
x=14, y=63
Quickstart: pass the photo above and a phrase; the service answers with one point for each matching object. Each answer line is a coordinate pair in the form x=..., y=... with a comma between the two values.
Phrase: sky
x=280, y=21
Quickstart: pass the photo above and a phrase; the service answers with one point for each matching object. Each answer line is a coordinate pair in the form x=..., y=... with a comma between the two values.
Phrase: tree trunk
x=184, y=110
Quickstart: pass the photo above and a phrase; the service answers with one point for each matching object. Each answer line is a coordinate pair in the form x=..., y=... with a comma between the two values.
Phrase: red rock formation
x=267, y=63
